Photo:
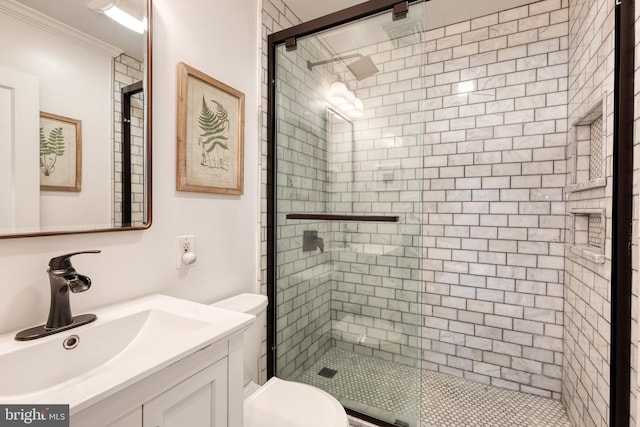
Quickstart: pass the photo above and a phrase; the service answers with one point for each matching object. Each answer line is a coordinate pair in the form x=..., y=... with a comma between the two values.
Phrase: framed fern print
x=60, y=153
x=210, y=134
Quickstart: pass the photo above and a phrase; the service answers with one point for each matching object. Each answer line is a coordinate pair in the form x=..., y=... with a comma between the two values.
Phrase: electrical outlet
x=184, y=244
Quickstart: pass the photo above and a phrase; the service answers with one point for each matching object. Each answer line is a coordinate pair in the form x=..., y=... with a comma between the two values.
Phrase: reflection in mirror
x=130, y=190
x=70, y=59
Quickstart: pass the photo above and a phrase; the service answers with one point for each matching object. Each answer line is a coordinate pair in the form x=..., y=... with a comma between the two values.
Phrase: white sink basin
x=127, y=342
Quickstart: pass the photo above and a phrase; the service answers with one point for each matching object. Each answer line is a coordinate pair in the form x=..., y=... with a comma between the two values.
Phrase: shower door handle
x=344, y=218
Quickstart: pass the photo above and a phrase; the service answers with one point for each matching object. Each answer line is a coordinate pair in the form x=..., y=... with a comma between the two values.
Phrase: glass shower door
x=348, y=200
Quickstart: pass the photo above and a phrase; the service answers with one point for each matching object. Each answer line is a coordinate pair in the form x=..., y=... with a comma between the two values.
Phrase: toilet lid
x=290, y=404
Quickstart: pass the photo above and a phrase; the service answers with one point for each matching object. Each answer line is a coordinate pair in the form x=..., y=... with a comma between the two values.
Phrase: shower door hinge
x=290, y=44
x=400, y=10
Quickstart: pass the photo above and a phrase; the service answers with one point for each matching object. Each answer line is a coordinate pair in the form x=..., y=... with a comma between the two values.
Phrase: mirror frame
x=148, y=144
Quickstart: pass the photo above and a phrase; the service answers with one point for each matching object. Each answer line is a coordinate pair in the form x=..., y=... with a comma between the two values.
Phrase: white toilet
x=278, y=403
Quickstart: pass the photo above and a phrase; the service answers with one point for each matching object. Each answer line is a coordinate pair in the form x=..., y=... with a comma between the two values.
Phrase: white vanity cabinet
x=132, y=419
x=200, y=401
x=204, y=389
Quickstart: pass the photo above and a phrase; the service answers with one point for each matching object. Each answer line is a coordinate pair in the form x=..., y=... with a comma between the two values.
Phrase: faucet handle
x=63, y=262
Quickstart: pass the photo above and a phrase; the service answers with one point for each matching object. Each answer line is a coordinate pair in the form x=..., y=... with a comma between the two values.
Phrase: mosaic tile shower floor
x=362, y=383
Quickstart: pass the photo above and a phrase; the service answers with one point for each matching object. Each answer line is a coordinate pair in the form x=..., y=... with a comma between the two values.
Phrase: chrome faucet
x=62, y=278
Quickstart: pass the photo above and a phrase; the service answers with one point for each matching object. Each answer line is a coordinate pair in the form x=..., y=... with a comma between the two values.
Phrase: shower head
x=361, y=68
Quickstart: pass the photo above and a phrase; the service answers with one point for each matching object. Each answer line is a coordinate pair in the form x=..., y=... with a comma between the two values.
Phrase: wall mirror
x=75, y=96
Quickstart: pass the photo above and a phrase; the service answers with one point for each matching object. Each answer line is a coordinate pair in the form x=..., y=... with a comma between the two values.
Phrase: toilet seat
x=289, y=404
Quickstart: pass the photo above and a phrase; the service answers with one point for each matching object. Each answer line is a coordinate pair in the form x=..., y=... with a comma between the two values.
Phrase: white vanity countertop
x=127, y=343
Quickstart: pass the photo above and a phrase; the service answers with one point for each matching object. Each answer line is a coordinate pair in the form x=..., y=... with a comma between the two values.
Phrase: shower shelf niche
x=587, y=234
x=588, y=155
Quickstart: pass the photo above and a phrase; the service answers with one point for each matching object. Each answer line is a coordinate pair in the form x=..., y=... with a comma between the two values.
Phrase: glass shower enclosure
x=346, y=176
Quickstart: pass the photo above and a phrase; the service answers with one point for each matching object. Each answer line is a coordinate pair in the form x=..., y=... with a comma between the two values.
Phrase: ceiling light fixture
x=345, y=100
x=338, y=93
x=128, y=13
x=123, y=18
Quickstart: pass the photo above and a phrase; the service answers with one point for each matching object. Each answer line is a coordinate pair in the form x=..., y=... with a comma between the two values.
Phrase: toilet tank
x=251, y=304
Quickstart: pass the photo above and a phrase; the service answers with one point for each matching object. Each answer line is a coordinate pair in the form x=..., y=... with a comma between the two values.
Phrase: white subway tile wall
x=495, y=171
x=276, y=16
x=585, y=380
x=376, y=169
x=304, y=287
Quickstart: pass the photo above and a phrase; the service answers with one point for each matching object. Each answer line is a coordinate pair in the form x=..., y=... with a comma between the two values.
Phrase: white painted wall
x=219, y=37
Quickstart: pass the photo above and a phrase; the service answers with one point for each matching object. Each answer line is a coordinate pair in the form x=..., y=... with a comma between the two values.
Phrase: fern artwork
x=213, y=139
x=60, y=153
x=50, y=149
x=210, y=134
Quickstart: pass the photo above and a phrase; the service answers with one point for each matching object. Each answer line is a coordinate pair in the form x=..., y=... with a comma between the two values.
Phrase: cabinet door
x=199, y=401
x=132, y=419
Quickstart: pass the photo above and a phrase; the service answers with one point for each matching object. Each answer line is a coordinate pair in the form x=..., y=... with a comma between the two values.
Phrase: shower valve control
x=311, y=241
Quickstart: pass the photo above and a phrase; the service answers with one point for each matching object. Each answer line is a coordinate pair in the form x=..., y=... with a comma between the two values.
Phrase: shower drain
x=327, y=372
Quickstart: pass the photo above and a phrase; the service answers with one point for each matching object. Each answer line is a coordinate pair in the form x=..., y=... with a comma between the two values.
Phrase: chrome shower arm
x=310, y=64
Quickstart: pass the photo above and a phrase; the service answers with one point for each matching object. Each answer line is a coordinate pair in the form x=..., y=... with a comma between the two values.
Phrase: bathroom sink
x=127, y=343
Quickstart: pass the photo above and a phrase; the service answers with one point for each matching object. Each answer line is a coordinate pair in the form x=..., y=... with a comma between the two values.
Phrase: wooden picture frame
x=60, y=153
x=210, y=134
